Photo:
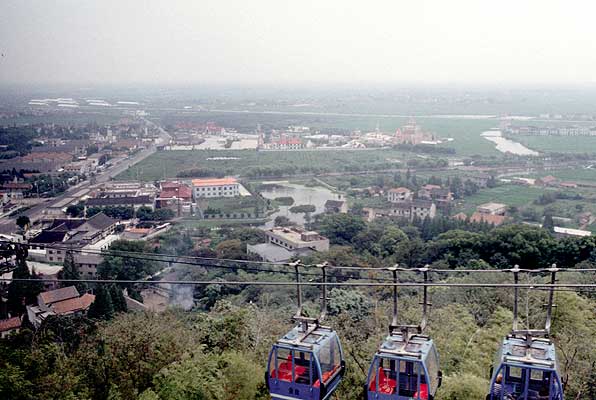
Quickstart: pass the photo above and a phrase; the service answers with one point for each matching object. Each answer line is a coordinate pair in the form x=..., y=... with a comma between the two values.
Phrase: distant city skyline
x=278, y=43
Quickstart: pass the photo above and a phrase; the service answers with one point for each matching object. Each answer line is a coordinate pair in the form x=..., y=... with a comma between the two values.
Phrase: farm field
x=253, y=164
x=572, y=174
x=512, y=195
x=559, y=144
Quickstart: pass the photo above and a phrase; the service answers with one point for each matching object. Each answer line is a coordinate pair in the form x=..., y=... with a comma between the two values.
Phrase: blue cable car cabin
x=526, y=371
x=305, y=365
x=404, y=369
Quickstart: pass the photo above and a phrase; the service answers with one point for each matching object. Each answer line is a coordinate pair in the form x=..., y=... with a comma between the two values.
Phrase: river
x=505, y=145
x=301, y=194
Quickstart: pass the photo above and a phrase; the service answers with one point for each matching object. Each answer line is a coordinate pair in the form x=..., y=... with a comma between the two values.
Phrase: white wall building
x=225, y=187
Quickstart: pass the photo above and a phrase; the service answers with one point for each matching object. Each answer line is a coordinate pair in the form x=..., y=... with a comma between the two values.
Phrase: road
x=8, y=225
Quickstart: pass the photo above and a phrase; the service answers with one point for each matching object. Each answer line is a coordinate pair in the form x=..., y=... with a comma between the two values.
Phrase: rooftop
x=214, y=182
x=572, y=232
x=516, y=351
x=11, y=323
x=104, y=201
x=54, y=296
x=295, y=234
x=399, y=190
x=100, y=221
x=492, y=206
x=72, y=305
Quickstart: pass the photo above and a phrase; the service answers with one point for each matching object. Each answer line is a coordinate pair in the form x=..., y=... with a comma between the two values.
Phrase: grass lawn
x=230, y=205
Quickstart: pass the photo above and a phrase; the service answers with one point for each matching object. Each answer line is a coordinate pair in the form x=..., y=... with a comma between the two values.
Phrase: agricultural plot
x=573, y=174
x=512, y=195
x=559, y=144
x=254, y=164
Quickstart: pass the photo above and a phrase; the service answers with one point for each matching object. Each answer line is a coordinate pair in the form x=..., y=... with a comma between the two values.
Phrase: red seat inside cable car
x=327, y=375
x=284, y=372
x=423, y=392
x=386, y=385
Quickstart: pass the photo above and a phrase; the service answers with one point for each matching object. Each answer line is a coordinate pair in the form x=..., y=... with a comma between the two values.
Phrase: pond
x=505, y=145
x=317, y=196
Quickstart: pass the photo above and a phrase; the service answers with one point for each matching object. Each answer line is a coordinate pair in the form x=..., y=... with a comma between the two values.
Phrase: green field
x=251, y=163
x=572, y=174
x=559, y=144
x=512, y=195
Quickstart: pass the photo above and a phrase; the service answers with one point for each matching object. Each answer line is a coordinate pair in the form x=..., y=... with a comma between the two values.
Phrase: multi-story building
x=492, y=208
x=336, y=206
x=442, y=197
x=175, y=196
x=284, y=243
x=420, y=209
x=481, y=180
x=74, y=233
x=284, y=142
x=135, y=202
x=293, y=238
x=224, y=187
x=399, y=195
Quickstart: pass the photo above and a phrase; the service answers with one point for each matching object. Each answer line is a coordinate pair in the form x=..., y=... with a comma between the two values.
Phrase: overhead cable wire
x=308, y=283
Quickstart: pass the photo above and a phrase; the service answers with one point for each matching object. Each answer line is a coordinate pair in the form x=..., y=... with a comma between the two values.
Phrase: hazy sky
x=282, y=42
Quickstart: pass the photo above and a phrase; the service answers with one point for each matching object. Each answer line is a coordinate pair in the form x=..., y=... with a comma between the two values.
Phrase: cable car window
x=385, y=370
x=272, y=367
x=329, y=359
x=284, y=365
x=302, y=367
x=515, y=372
x=432, y=364
x=536, y=376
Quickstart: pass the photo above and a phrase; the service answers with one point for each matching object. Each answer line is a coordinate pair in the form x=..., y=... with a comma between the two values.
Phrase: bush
x=464, y=386
x=303, y=208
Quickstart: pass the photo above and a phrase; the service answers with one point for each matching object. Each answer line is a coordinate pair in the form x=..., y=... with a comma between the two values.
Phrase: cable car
x=307, y=363
x=406, y=365
x=526, y=370
x=526, y=366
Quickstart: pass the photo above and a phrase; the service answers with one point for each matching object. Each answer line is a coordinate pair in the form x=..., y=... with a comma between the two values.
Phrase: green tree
x=127, y=267
x=463, y=386
x=282, y=220
x=118, y=299
x=216, y=376
x=23, y=222
x=548, y=223
x=144, y=213
x=21, y=293
x=353, y=302
x=70, y=271
x=341, y=228
x=102, y=307
x=76, y=210
x=125, y=354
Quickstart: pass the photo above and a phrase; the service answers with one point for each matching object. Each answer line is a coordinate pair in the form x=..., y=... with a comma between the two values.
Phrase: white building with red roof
x=209, y=188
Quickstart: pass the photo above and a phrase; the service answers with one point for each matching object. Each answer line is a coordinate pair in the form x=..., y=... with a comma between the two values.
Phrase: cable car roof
x=314, y=337
x=539, y=352
x=417, y=347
